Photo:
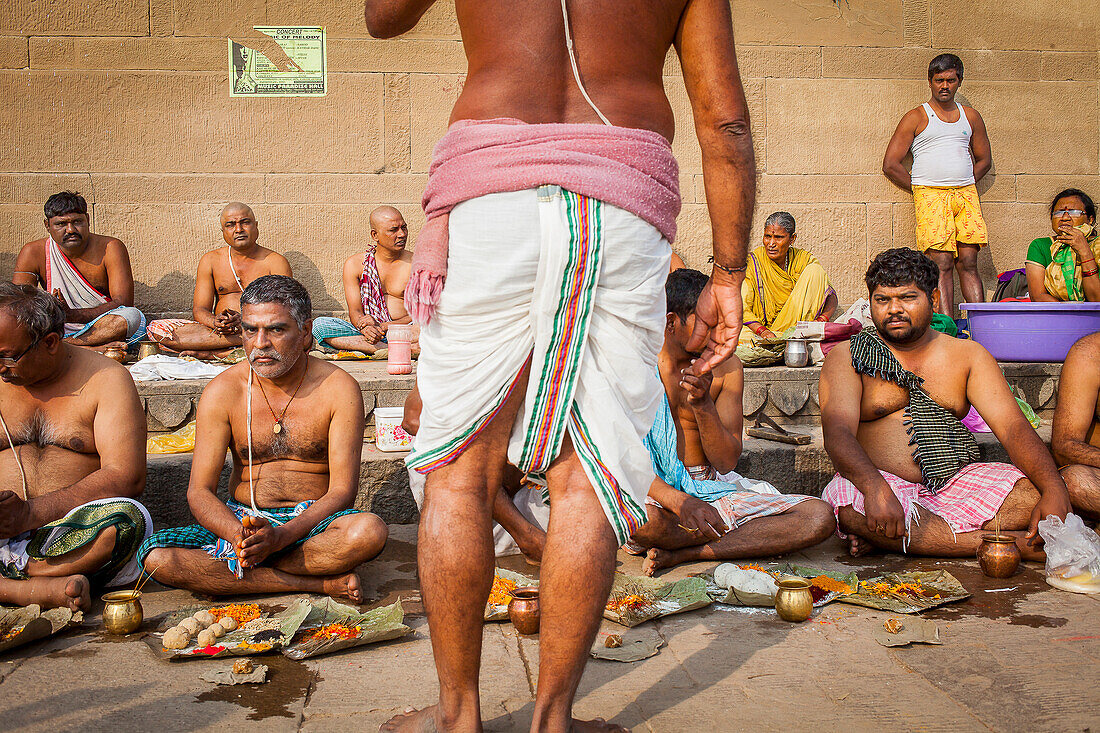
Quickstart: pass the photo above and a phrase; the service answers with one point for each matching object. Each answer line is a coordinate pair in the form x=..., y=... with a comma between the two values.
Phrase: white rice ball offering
x=217, y=629
x=190, y=625
x=750, y=587
x=228, y=623
x=205, y=618
x=175, y=638
x=206, y=638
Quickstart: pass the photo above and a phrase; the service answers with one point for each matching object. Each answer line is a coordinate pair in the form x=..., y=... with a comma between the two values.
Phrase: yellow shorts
x=948, y=215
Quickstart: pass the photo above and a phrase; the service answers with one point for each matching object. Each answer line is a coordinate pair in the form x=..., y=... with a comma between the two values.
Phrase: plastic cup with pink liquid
x=399, y=343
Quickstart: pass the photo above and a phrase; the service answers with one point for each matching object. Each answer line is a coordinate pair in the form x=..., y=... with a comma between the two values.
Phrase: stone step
x=384, y=483
x=787, y=395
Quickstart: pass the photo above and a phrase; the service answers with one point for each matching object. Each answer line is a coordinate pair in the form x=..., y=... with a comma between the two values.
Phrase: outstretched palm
x=717, y=322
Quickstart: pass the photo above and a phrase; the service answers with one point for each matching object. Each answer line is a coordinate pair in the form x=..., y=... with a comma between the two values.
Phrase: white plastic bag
x=1073, y=550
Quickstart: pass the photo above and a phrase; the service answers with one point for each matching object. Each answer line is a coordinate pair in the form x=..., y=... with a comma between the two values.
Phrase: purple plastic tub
x=1031, y=331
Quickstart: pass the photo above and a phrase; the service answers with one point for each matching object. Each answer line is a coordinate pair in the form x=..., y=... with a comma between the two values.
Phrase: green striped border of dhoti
x=624, y=513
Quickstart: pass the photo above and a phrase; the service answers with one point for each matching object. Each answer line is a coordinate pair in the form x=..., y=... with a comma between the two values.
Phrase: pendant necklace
x=278, y=426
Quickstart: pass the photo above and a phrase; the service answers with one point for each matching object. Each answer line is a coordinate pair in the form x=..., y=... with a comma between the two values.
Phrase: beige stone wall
x=128, y=101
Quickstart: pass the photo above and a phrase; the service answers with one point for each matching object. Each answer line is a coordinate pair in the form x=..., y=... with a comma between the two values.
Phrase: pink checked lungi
x=970, y=499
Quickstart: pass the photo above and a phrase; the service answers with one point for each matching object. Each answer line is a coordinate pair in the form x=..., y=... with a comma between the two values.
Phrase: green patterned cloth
x=943, y=444
x=75, y=530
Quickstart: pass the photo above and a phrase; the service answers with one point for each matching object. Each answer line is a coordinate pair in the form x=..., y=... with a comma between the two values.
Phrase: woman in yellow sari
x=1063, y=267
x=783, y=284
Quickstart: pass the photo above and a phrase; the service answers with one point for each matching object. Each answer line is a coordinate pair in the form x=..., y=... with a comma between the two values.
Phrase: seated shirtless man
x=72, y=459
x=520, y=511
x=1076, y=436
x=699, y=508
x=223, y=274
x=374, y=288
x=89, y=274
x=891, y=401
x=294, y=426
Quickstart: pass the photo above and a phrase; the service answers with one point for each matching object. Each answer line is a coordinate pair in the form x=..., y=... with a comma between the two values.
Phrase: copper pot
x=998, y=555
x=793, y=601
x=122, y=614
x=115, y=352
x=523, y=610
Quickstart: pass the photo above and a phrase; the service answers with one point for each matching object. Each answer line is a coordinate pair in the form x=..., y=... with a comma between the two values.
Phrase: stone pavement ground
x=1017, y=655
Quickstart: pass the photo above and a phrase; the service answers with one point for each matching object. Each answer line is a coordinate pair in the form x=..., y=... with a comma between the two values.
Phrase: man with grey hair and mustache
x=72, y=460
x=294, y=427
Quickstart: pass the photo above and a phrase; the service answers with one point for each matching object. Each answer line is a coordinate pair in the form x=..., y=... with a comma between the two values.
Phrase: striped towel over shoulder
x=943, y=444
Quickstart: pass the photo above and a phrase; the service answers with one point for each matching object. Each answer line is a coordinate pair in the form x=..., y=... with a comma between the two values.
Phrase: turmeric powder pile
x=831, y=585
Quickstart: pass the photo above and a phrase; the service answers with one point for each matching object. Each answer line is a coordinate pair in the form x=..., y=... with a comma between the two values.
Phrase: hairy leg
x=578, y=566
x=930, y=535
x=970, y=282
x=197, y=337
x=72, y=591
x=196, y=571
x=455, y=548
x=945, y=261
x=106, y=329
x=803, y=525
x=353, y=343
x=530, y=539
x=346, y=543
x=1083, y=483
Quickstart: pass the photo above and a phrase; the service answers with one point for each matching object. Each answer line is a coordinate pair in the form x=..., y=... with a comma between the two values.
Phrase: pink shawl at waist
x=630, y=168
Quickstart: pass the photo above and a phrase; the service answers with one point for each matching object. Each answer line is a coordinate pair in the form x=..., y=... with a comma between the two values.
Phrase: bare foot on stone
x=347, y=587
x=657, y=559
x=412, y=721
x=72, y=592
x=858, y=547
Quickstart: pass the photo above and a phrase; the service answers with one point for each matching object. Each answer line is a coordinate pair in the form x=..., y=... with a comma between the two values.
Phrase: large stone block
x=168, y=54
x=1023, y=24
x=209, y=188
x=758, y=62
x=397, y=122
x=19, y=224
x=820, y=188
x=431, y=99
x=1040, y=189
x=58, y=17
x=121, y=122
x=1028, y=135
x=843, y=136
x=13, y=52
x=685, y=145
x=417, y=56
x=35, y=188
x=1011, y=229
x=912, y=63
x=1082, y=66
x=216, y=18
x=402, y=190
x=818, y=22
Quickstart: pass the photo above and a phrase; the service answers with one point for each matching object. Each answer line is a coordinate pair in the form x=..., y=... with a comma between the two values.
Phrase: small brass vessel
x=998, y=555
x=523, y=610
x=793, y=602
x=147, y=348
x=122, y=614
x=115, y=352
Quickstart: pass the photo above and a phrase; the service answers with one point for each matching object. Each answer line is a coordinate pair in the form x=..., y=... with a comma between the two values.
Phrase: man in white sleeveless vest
x=950, y=155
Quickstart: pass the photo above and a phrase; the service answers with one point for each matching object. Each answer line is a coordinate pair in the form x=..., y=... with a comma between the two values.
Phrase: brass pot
x=523, y=610
x=122, y=614
x=998, y=555
x=115, y=352
x=793, y=602
x=147, y=348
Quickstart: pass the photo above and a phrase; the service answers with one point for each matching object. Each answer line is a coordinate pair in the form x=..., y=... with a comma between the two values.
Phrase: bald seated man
x=374, y=288
x=72, y=461
x=222, y=276
x=89, y=275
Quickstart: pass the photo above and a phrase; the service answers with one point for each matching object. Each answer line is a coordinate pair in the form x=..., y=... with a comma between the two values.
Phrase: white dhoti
x=576, y=286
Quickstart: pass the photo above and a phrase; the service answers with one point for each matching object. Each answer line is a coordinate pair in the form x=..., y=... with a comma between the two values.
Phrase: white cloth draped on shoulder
x=576, y=286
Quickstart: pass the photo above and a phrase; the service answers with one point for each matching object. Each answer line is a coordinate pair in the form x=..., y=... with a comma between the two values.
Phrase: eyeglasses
x=1072, y=212
x=10, y=361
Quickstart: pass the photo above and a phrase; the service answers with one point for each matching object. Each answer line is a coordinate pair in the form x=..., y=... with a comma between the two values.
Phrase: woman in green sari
x=1063, y=267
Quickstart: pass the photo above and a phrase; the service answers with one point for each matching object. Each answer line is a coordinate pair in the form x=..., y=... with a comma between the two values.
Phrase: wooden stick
x=148, y=577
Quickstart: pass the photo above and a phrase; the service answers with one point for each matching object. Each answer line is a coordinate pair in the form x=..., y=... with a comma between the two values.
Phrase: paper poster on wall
x=279, y=61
